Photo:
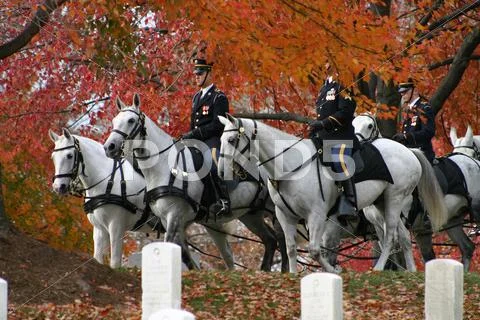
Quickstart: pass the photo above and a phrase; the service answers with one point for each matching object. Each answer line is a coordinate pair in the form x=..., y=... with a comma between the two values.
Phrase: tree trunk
x=379, y=91
x=4, y=222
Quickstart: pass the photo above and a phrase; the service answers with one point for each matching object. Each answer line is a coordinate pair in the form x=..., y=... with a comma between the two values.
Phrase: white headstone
x=135, y=260
x=443, y=290
x=3, y=299
x=322, y=297
x=172, y=314
x=161, y=277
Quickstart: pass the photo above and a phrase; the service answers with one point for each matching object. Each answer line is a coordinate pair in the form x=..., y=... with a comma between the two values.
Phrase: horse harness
x=169, y=190
x=474, y=147
x=95, y=202
x=275, y=183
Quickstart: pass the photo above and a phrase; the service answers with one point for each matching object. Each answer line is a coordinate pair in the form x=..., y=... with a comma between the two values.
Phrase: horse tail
x=430, y=193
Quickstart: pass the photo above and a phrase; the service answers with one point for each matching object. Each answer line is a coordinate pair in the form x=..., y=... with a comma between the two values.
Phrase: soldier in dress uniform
x=418, y=127
x=208, y=103
x=335, y=112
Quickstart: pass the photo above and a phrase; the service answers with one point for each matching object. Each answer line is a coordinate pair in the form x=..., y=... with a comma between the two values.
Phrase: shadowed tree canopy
x=62, y=62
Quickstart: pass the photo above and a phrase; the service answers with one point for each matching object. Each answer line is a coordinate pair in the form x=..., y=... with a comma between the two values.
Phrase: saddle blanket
x=450, y=177
x=374, y=167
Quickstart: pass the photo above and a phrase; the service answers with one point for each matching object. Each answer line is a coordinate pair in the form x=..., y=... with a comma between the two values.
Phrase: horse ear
x=469, y=133
x=53, y=136
x=67, y=133
x=136, y=100
x=453, y=135
x=223, y=120
x=231, y=118
x=119, y=103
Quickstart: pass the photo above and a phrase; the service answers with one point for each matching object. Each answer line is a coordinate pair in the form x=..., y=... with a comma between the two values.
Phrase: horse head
x=366, y=127
x=466, y=144
x=235, y=151
x=66, y=158
x=127, y=125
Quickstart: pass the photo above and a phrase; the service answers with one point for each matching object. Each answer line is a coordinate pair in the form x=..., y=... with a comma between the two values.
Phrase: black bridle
x=474, y=147
x=138, y=129
x=241, y=133
x=78, y=160
x=141, y=130
x=375, y=131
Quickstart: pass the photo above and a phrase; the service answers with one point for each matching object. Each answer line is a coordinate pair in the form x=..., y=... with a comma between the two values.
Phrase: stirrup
x=220, y=207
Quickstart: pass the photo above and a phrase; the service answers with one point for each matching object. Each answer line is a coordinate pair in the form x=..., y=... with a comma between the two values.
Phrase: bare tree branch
x=426, y=18
x=283, y=116
x=39, y=20
x=444, y=20
x=448, y=61
x=459, y=65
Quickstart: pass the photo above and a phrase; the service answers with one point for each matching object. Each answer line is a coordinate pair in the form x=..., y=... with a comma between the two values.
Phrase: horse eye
x=231, y=140
x=131, y=121
x=370, y=126
x=69, y=156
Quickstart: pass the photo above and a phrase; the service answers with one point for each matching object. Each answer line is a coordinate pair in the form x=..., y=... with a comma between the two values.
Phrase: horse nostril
x=111, y=147
x=63, y=187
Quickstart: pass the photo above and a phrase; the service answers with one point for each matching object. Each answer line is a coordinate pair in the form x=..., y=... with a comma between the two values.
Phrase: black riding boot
x=222, y=206
x=347, y=209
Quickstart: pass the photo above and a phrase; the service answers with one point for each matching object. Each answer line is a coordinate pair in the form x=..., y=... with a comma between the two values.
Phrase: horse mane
x=267, y=128
x=95, y=145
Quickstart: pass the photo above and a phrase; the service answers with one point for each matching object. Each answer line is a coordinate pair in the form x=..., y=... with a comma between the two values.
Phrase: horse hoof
x=337, y=269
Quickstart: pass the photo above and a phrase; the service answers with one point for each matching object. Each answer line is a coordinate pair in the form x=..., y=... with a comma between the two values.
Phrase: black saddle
x=369, y=164
x=450, y=177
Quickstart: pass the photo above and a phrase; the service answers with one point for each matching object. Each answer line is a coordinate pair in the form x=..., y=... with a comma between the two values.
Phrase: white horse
x=301, y=188
x=174, y=187
x=457, y=205
x=466, y=156
x=81, y=158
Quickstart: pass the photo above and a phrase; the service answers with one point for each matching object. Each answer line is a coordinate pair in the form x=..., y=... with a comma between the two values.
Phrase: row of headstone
x=321, y=293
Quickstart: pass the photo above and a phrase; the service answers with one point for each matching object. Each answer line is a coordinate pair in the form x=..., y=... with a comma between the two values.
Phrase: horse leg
x=289, y=226
x=392, y=219
x=187, y=258
x=316, y=227
x=255, y=222
x=117, y=229
x=406, y=246
x=332, y=236
x=280, y=236
x=220, y=239
x=100, y=239
x=423, y=237
x=456, y=233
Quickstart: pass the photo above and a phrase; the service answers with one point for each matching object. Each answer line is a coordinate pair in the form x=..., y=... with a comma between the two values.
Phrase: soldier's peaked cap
x=201, y=66
x=404, y=86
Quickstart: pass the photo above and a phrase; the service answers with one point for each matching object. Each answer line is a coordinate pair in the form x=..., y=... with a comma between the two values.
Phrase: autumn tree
x=62, y=62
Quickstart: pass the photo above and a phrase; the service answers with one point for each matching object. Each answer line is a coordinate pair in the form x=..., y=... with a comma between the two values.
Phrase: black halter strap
x=78, y=160
x=156, y=154
x=241, y=133
x=138, y=129
x=474, y=147
x=278, y=154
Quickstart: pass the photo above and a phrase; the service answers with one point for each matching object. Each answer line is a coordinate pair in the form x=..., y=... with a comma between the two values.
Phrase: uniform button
x=197, y=113
x=196, y=127
x=196, y=120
